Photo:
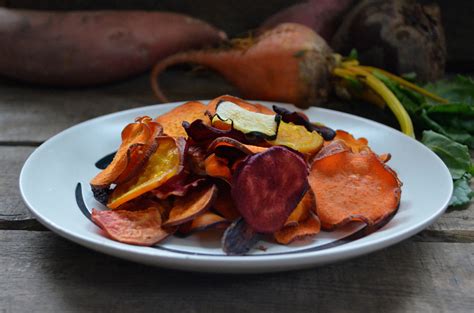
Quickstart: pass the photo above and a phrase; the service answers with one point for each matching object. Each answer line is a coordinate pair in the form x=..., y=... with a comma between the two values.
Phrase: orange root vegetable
x=164, y=163
x=141, y=228
x=288, y=63
x=304, y=229
x=193, y=204
x=172, y=121
x=81, y=48
x=138, y=142
x=303, y=209
x=354, y=187
x=217, y=167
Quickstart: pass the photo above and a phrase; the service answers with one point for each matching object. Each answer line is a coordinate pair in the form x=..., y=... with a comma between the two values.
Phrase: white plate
x=55, y=178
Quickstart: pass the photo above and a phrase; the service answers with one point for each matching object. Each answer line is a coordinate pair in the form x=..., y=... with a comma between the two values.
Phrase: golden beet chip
x=298, y=138
x=194, y=203
x=303, y=229
x=188, y=112
x=163, y=164
x=138, y=142
x=141, y=228
x=354, y=187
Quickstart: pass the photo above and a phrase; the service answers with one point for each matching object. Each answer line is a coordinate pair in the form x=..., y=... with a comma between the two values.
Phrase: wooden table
x=41, y=272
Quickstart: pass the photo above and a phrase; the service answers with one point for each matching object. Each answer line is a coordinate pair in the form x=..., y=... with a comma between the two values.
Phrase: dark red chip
x=268, y=186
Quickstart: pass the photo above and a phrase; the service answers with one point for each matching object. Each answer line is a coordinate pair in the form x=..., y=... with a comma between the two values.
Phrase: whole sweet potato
x=85, y=47
x=322, y=16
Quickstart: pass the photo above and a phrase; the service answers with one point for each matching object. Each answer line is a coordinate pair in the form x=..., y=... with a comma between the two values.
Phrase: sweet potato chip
x=330, y=148
x=188, y=207
x=224, y=204
x=165, y=162
x=137, y=144
x=303, y=229
x=257, y=108
x=173, y=120
x=141, y=228
x=239, y=238
x=356, y=145
x=268, y=186
x=303, y=209
x=217, y=167
x=354, y=187
x=205, y=221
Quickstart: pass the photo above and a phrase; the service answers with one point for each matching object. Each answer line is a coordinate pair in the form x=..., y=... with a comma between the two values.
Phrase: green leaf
x=454, y=155
x=459, y=89
x=353, y=55
x=462, y=193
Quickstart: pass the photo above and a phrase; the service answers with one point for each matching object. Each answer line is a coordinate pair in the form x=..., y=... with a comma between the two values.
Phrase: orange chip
x=138, y=142
x=224, y=205
x=217, y=167
x=303, y=209
x=204, y=221
x=354, y=187
x=173, y=120
x=258, y=108
x=356, y=145
x=141, y=228
x=188, y=207
x=164, y=163
x=304, y=229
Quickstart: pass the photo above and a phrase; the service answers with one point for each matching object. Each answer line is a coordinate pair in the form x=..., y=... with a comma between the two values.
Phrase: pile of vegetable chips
x=252, y=172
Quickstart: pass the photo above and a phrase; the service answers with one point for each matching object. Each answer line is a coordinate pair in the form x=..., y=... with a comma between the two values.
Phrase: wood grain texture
x=33, y=114
x=44, y=273
x=13, y=212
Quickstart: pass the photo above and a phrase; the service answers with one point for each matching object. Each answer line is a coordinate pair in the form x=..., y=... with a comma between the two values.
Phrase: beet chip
x=141, y=228
x=268, y=186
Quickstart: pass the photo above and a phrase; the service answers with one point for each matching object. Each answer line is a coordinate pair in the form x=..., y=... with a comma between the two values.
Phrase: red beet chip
x=268, y=186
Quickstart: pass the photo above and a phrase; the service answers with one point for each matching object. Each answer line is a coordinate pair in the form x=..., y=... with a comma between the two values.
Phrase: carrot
x=289, y=63
x=91, y=47
x=354, y=187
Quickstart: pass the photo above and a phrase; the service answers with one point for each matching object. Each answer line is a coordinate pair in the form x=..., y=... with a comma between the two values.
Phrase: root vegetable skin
x=322, y=16
x=400, y=36
x=289, y=63
x=87, y=47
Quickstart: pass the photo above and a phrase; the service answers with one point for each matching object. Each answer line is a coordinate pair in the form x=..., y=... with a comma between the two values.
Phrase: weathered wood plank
x=13, y=212
x=33, y=114
x=43, y=273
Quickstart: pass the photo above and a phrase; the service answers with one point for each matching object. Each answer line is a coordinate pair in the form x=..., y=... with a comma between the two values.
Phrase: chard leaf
x=454, y=155
x=462, y=193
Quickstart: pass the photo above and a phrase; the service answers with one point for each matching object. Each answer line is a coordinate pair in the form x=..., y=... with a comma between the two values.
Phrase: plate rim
x=229, y=264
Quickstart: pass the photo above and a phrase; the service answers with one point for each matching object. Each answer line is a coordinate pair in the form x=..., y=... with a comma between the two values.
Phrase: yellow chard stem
x=405, y=83
x=384, y=92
